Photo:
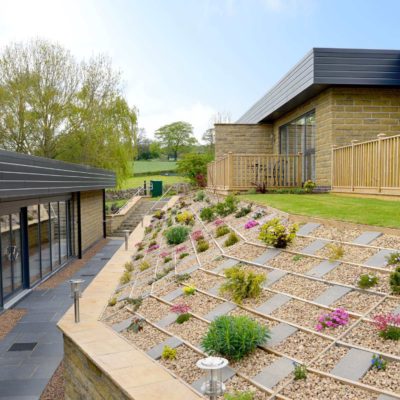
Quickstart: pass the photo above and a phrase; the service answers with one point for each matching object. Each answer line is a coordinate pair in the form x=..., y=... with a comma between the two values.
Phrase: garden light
x=75, y=294
x=213, y=385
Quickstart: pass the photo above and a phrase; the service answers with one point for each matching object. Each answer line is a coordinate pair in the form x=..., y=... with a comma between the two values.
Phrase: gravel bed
x=336, y=233
x=247, y=251
x=186, y=263
x=329, y=359
x=164, y=285
x=199, y=303
x=298, y=286
x=357, y=301
x=209, y=266
x=118, y=316
x=386, y=307
x=316, y=387
x=184, y=365
x=237, y=383
x=269, y=323
x=388, y=241
x=146, y=338
x=293, y=263
x=299, y=243
x=204, y=281
x=355, y=254
x=302, y=346
x=110, y=311
x=193, y=330
x=210, y=254
x=8, y=320
x=54, y=390
x=153, y=309
x=253, y=363
x=349, y=275
x=388, y=379
x=366, y=335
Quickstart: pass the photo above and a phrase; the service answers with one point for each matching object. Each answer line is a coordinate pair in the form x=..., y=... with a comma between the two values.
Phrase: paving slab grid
x=25, y=374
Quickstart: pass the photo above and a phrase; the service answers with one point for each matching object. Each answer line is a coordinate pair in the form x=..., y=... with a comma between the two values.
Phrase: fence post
x=333, y=165
x=299, y=168
x=381, y=136
x=353, y=142
x=230, y=170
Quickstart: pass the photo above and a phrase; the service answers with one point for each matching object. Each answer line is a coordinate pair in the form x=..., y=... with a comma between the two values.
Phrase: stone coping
x=133, y=371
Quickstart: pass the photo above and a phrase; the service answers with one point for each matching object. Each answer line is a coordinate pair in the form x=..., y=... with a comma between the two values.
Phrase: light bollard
x=75, y=294
x=213, y=385
x=127, y=232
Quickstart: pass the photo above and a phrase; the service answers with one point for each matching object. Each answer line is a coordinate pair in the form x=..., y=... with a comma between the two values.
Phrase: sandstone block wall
x=92, y=217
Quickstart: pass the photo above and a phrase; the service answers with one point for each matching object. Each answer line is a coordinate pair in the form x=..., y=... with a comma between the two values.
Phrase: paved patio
x=25, y=374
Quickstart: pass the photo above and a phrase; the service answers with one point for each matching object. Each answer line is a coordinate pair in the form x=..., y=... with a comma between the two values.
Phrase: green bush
x=129, y=266
x=112, y=302
x=232, y=239
x=125, y=278
x=207, y=214
x=366, y=281
x=300, y=371
x=135, y=303
x=309, y=186
x=275, y=234
x=394, y=281
x=202, y=245
x=391, y=333
x=242, y=284
x=236, y=395
x=192, y=165
x=182, y=318
x=393, y=259
x=228, y=206
x=167, y=259
x=221, y=231
x=234, y=336
x=176, y=234
x=183, y=255
x=243, y=211
x=168, y=353
x=138, y=256
x=200, y=195
x=144, y=265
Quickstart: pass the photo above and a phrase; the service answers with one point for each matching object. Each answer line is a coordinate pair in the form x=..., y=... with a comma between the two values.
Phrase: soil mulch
x=55, y=388
x=8, y=320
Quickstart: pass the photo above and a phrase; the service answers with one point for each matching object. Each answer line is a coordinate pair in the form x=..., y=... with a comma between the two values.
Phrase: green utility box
x=156, y=188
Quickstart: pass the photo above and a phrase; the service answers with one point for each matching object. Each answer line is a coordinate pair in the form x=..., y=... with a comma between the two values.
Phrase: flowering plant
x=251, y=224
x=153, y=247
x=180, y=308
x=180, y=249
x=218, y=222
x=378, y=362
x=333, y=319
x=393, y=258
x=388, y=326
x=197, y=235
x=258, y=214
x=164, y=254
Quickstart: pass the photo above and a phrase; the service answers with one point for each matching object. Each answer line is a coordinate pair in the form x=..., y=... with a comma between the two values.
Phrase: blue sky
x=189, y=59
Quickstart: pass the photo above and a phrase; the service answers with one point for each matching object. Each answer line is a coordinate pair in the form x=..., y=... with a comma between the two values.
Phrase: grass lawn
x=137, y=181
x=143, y=166
x=360, y=210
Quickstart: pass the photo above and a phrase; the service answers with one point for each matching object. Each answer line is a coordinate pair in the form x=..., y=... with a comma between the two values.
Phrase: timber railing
x=371, y=167
x=245, y=171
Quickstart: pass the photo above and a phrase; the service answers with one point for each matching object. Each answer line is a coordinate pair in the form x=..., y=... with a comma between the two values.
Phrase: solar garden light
x=213, y=385
x=126, y=231
x=75, y=294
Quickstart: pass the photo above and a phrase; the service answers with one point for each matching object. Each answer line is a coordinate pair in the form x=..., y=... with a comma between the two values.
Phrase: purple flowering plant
x=338, y=317
x=152, y=248
x=251, y=224
x=218, y=222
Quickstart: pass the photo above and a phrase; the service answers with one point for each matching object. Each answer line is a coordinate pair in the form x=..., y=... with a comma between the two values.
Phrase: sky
x=190, y=59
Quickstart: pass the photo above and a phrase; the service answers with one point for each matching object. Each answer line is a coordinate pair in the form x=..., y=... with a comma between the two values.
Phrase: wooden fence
x=371, y=167
x=238, y=172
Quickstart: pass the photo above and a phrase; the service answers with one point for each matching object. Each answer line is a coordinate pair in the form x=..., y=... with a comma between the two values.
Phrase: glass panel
x=63, y=231
x=55, y=235
x=45, y=239
x=14, y=251
x=5, y=260
x=34, y=244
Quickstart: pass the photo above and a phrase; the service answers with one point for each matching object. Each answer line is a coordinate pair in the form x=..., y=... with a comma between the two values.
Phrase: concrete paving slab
x=191, y=269
x=120, y=326
x=367, y=237
x=168, y=320
x=275, y=372
x=173, y=295
x=332, y=294
x=307, y=228
x=273, y=304
x=353, y=365
x=267, y=255
x=215, y=290
x=397, y=310
x=386, y=397
x=227, y=373
x=221, y=309
x=313, y=247
x=322, y=269
x=378, y=259
x=226, y=264
x=279, y=333
x=156, y=351
x=273, y=277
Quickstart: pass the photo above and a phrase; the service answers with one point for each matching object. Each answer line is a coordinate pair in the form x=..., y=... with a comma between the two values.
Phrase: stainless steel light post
x=127, y=232
x=213, y=385
x=75, y=294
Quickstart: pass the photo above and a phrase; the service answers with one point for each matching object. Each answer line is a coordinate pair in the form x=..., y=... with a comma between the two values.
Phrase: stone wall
x=91, y=217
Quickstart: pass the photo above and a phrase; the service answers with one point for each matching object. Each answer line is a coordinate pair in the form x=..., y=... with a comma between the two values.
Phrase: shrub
x=138, y=256
x=182, y=277
x=153, y=247
x=388, y=326
x=129, y=266
x=228, y=206
x=194, y=167
x=232, y=239
x=136, y=325
x=200, y=195
x=251, y=224
x=221, y=231
x=180, y=308
x=276, y=234
x=207, y=214
x=163, y=273
x=154, y=235
x=300, y=371
x=167, y=259
x=309, y=186
x=112, y=302
x=197, y=235
x=176, y=234
x=182, y=318
x=236, y=395
x=140, y=246
x=159, y=214
x=189, y=290
x=393, y=259
x=169, y=222
x=125, y=278
x=366, y=281
x=297, y=257
x=378, y=362
x=185, y=217
x=338, y=317
x=168, y=353
x=243, y=211
x=148, y=229
x=202, y=245
x=152, y=243
x=336, y=252
x=135, y=303
x=242, y=284
x=183, y=255
x=180, y=249
x=234, y=336
x=144, y=265
x=394, y=280
x=258, y=214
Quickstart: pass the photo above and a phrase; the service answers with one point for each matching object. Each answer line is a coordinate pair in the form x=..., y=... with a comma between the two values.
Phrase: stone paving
x=25, y=374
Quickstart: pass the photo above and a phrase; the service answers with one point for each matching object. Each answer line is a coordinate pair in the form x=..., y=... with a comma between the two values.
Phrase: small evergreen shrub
x=221, y=231
x=393, y=259
x=135, y=303
x=207, y=214
x=394, y=280
x=242, y=284
x=378, y=362
x=182, y=318
x=138, y=256
x=228, y=206
x=309, y=186
x=176, y=234
x=236, y=395
x=202, y=245
x=234, y=336
x=112, y=302
x=243, y=211
x=366, y=281
x=300, y=371
x=297, y=257
x=189, y=290
x=200, y=195
x=232, y=239
x=125, y=278
x=182, y=278
x=144, y=265
x=275, y=234
x=129, y=266
x=185, y=217
x=167, y=259
x=183, y=255
x=168, y=353
x=336, y=252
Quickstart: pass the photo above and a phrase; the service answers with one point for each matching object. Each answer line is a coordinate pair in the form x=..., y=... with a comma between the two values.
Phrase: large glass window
x=45, y=239
x=299, y=136
x=34, y=244
x=55, y=234
x=64, y=237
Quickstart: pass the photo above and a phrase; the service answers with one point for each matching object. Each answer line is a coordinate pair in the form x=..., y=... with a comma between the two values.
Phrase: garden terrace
x=314, y=275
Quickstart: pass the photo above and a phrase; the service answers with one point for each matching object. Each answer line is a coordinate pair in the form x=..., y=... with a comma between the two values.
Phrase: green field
x=360, y=210
x=143, y=166
x=137, y=181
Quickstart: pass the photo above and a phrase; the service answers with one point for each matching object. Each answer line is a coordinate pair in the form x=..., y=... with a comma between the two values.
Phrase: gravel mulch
x=237, y=383
x=165, y=286
x=209, y=266
x=247, y=251
x=204, y=281
x=8, y=320
x=146, y=338
x=54, y=390
x=184, y=364
x=193, y=330
x=300, y=243
x=118, y=316
x=110, y=311
x=388, y=241
x=269, y=323
x=302, y=346
x=355, y=254
x=329, y=359
x=298, y=286
x=386, y=307
x=317, y=387
x=199, y=303
x=253, y=363
x=357, y=301
x=388, y=379
x=153, y=309
x=336, y=233
x=293, y=263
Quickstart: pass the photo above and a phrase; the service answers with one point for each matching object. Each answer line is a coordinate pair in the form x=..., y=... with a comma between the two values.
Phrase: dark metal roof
x=322, y=68
x=23, y=175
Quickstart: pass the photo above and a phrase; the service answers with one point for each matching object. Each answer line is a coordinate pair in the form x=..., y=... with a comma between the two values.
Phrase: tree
x=175, y=137
x=209, y=135
x=194, y=167
x=209, y=138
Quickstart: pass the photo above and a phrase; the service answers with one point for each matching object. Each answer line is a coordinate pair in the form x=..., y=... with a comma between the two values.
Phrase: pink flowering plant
x=153, y=247
x=180, y=249
x=180, y=308
x=218, y=222
x=338, y=317
x=197, y=235
x=388, y=326
x=164, y=254
x=251, y=224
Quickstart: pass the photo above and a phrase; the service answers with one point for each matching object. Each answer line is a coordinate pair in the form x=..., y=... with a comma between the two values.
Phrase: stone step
x=386, y=397
x=121, y=326
x=308, y=228
x=156, y=351
x=353, y=365
x=267, y=255
x=332, y=294
x=221, y=309
x=226, y=264
x=215, y=290
x=313, y=247
x=322, y=269
x=273, y=303
x=191, y=269
x=275, y=372
x=367, y=237
x=273, y=277
x=378, y=259
x=168, y=320
x=171, y=296
x=279, y=333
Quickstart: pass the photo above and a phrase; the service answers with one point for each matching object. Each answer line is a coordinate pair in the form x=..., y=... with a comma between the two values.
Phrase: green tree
x=194, y=167
x=175, y=137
